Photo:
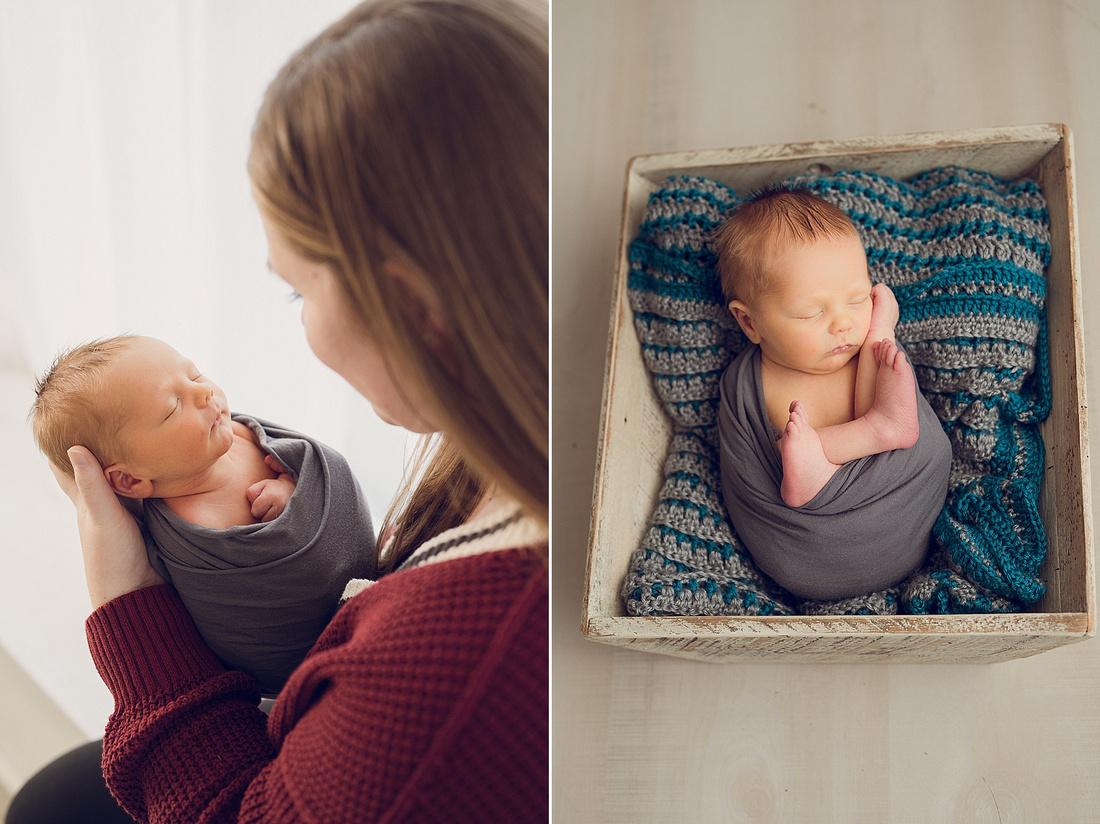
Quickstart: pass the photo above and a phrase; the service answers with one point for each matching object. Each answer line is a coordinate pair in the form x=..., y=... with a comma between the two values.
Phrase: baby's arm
x=891, y=422
x=884, y=318
x=885, y=406
x=269, y=497
x=810, y=457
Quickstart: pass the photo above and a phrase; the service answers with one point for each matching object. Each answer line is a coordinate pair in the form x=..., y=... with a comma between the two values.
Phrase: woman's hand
x=114, y=551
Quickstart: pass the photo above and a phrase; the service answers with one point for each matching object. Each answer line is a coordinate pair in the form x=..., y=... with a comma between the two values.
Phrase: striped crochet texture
x=965, y=252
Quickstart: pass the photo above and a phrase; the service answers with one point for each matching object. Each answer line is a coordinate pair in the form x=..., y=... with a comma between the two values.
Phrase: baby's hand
x=269, y=497
x=884, y=313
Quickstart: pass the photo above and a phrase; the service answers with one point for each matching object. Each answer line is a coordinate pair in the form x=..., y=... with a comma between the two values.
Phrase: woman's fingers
x=115, y=561
x=64, y=480
x=91, y=487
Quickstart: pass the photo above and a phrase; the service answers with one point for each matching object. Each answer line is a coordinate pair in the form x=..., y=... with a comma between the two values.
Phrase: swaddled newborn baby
x=834, y=467
x=257, y=527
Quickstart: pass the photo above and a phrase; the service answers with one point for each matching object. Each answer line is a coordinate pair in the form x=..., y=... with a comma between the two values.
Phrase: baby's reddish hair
x=767, y=223
x=67, y=411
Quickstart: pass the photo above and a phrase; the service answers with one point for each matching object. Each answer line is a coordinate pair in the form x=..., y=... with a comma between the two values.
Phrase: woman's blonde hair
x=417, y=130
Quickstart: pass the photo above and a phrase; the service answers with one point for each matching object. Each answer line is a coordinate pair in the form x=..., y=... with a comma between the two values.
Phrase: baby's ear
x=125, y=484
x=741, y=313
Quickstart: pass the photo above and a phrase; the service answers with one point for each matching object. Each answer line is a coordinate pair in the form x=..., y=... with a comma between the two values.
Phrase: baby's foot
x=893, y=415
x=805, y=468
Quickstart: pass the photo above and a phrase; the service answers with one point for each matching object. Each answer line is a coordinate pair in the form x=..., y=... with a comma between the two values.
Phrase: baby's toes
x=898, y=361
x=799, y=417
x=886, y=352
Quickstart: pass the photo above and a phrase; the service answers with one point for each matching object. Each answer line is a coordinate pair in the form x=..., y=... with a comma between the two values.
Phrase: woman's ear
x=422, y=304
x=127, y=485
x=744, y=319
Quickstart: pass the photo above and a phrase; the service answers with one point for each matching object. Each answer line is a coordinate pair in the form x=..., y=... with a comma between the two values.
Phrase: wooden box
x=634, y=430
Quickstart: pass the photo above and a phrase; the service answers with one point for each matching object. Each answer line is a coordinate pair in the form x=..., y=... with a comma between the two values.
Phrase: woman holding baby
x=400, y=166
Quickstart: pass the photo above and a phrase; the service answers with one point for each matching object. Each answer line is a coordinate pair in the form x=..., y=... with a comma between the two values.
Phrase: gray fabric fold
x=868, y=527
x=261, y=594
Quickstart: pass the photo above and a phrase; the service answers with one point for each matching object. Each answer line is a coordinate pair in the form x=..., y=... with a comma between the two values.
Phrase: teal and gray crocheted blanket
x=965, y=252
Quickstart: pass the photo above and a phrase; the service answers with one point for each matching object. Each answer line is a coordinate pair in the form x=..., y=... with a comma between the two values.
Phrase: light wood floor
x=646, y=738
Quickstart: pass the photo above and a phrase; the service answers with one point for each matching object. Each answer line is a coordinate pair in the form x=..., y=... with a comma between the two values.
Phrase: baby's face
x=815, y=317
x=175, y=423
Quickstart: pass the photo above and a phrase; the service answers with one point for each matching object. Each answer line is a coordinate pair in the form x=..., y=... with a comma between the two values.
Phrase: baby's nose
x=842, y=322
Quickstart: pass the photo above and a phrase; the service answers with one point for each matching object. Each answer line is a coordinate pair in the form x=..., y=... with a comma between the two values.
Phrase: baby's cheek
x=864, y=324
x=809, y=351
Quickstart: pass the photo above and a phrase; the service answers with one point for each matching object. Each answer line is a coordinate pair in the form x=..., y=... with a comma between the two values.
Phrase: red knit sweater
x=424, y=700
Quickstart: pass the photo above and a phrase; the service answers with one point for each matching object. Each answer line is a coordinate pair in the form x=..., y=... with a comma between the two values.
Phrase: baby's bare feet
x=805, y=468
x=893, y=415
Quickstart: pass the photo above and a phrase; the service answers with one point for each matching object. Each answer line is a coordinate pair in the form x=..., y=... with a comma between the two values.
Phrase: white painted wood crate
x=634, y=430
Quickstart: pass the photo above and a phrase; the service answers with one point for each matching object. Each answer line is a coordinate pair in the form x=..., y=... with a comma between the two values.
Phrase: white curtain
x=125, y=206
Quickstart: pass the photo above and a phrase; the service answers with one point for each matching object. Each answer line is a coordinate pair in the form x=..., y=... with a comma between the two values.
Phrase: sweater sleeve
x=426, y=697
x=186, y=737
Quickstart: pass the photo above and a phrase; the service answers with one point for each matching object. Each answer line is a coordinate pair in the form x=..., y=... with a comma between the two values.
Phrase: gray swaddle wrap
x=261, y=594
x=865, y=530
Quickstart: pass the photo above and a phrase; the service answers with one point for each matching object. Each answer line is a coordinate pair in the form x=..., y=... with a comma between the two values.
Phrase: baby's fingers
x=274, y=465
x=881, y=292
x=267, y=508
x=267, y=503
x=254, y=491
x=261, y=508
x=884, y=307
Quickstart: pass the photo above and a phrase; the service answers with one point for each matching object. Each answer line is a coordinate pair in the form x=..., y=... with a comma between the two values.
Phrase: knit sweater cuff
x=145, y=644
